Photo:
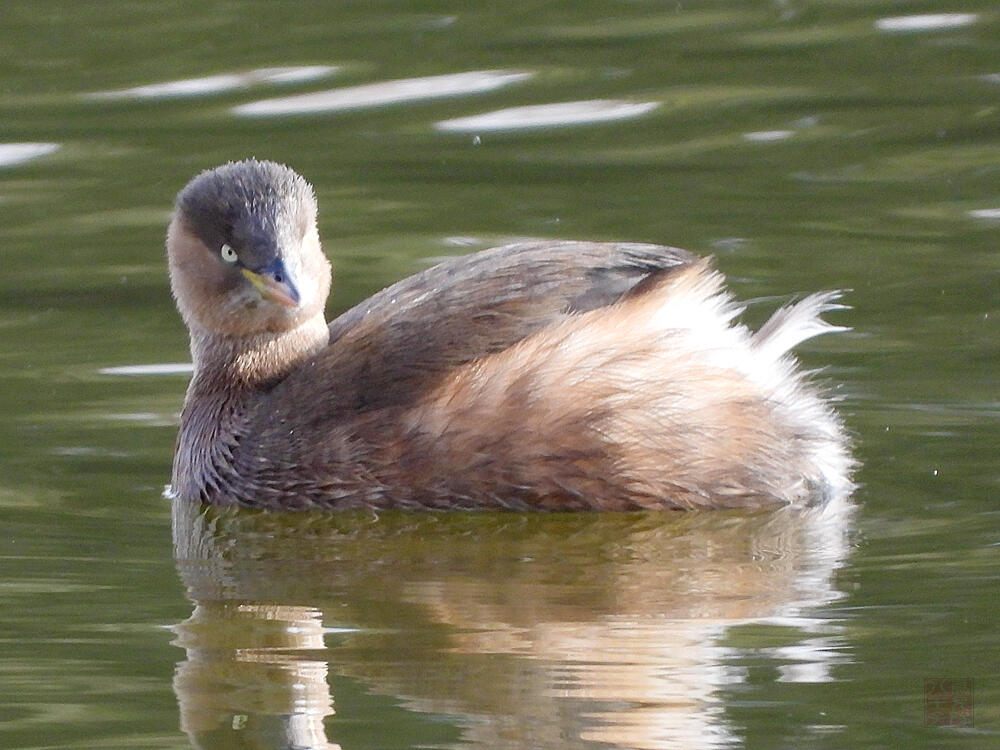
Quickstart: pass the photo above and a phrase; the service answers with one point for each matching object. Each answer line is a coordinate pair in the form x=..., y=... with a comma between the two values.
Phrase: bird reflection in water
x=250, y=675
x=543, y=631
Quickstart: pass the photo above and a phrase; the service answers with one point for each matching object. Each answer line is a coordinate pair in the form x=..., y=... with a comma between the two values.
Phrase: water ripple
x=549, y=115
x=927, y=22
x=18, y=153
x=384, y=92
x=170, y=368
x=218, y=84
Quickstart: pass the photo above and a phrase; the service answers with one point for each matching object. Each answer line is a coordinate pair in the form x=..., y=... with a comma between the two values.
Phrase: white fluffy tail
x=791, y=325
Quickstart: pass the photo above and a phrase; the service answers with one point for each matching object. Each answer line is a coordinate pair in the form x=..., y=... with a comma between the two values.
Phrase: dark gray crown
x=257, y=207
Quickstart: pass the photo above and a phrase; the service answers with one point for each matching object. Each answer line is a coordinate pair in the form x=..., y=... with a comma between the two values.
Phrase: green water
x=806, y=145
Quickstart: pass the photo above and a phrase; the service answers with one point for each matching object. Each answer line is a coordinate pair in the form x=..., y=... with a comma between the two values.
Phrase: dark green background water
x=808, y=145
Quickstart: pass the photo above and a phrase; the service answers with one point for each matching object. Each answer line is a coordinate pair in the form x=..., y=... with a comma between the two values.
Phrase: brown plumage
x=539, y=375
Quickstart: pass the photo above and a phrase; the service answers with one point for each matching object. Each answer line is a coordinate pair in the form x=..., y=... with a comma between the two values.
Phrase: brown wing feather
x=396, y=344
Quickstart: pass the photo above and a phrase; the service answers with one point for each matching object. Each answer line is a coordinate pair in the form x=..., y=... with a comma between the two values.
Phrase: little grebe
x=539, y=375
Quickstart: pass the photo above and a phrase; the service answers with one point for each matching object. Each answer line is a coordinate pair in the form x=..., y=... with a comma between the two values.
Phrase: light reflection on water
x=218, y=84
x=385, y=93
x=18, y=153
x=161, y=368
x=926, y=22
x=548, y=115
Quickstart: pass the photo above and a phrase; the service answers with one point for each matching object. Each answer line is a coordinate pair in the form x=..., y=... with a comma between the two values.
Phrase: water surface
x=806, y=146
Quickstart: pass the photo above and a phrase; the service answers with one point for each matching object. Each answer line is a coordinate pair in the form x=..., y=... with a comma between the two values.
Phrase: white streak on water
x=383, y=93
x=549, y=115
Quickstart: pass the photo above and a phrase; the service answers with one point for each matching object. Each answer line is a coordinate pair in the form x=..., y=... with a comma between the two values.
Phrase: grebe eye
x=228, y=254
